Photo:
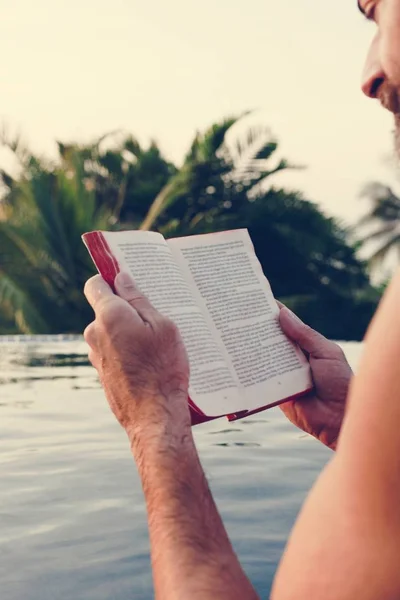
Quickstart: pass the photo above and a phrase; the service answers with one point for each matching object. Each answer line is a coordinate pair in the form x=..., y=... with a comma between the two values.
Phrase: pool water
x=72, y=514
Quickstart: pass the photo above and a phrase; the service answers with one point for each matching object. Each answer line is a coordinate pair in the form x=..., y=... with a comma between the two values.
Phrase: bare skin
x=345, y=543
x=320, y=413
x=346, y=540
x=144, y=369
x=143, y=366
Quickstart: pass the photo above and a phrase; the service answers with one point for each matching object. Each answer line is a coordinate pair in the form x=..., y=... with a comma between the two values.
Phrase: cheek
x=390, y=41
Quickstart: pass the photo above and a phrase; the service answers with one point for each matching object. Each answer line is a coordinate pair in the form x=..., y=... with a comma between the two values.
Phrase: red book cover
x=108, y=267
x=248, y=413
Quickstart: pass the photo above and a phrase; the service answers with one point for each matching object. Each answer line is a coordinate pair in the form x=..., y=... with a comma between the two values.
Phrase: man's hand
x=321, y=412
x=140, y=358
x=144, y=370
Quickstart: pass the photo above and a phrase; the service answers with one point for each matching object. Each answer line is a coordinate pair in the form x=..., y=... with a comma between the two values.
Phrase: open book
x=213, y=287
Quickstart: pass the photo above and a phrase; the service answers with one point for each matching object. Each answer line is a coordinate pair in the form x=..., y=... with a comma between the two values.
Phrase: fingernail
x=124, y=279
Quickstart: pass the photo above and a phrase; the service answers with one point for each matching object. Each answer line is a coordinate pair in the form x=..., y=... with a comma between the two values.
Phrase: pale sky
x=72, y=70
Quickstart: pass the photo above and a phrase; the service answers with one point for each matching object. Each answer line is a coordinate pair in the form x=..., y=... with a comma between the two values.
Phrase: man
x=346, y=540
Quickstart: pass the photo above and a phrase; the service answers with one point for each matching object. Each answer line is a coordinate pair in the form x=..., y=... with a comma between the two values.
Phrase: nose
x=373, y=73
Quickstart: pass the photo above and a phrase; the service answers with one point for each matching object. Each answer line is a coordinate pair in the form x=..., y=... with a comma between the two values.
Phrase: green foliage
x=43, y=263
x=125, y=177
x=224, y=183
x=384, y=217
x=305, y=255
x=216, y=180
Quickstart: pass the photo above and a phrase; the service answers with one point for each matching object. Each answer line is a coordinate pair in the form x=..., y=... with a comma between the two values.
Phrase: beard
x=389, y=96
x=397, y=135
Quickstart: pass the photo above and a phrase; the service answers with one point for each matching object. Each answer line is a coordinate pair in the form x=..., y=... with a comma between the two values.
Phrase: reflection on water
x=72, y=517
x=54, y=360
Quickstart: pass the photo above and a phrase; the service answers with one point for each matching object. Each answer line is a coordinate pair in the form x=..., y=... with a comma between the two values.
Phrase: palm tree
x=216, y=178
x=384, y=218
x=125, y=176
x=223, y=183
x=43, y=263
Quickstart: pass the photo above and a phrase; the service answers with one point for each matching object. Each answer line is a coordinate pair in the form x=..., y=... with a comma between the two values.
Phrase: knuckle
x=337, y=351
x=92, y=357
x=169, y=326
x=132, y=294
x=136, y=296
x=312, y=338
x=316, y=337
x=88, y=332
x=331, y=350
x=138, y=300
x=89, y=284
x=109, y=313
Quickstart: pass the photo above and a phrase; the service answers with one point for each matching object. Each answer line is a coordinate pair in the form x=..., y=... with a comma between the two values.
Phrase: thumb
x=307, y=338
x=127, y=289
x=97, y=291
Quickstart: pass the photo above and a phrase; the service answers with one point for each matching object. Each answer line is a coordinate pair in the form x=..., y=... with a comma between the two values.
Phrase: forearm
x=192, y=556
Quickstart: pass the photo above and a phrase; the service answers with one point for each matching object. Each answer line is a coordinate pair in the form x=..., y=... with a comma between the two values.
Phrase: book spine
x=249, y=413
x=108, y=267
x=196, y=416
x=102, y=256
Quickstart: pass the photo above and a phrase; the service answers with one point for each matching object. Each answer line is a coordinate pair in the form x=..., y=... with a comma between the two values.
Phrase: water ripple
x=72, y=512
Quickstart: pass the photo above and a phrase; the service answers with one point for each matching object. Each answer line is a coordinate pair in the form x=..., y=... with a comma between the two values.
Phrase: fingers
x=128, y=290
x=97, y=291
x=108, y=307
x=280, y=305
x=307, y=338
x=90, y=335
x=91, y=339
x=93, y=358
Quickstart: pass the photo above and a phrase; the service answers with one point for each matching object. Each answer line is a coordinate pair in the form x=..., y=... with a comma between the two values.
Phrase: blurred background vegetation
x=311, y=260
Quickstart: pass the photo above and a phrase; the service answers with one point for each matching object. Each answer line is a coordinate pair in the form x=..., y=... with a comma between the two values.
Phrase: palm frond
x=43, y=263
x=393, y=243
x=382, y=232
x=159, y=204
x=385, y=204
x=15, y=300
x=384, y=214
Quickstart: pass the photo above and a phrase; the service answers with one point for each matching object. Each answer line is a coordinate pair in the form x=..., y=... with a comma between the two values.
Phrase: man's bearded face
x=381, y=78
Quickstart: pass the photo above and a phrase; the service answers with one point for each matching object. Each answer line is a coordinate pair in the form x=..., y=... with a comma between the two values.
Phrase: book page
x=148, y=258
x=240, y=305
